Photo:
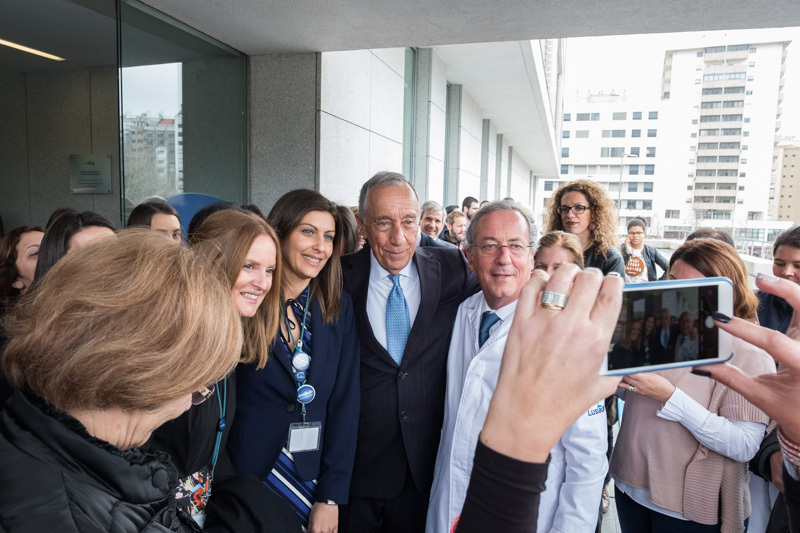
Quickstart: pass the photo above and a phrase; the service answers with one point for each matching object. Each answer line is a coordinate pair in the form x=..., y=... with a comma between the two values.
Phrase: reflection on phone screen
x=664, y=326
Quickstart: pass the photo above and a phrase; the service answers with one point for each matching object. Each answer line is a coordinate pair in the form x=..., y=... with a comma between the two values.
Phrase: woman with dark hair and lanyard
x=297, y=418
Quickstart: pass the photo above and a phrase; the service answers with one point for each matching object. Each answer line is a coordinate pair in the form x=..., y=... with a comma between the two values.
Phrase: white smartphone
x=668, y=324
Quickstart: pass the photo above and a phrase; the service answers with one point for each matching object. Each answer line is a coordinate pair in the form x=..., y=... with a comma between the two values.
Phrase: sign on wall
x=90, y=174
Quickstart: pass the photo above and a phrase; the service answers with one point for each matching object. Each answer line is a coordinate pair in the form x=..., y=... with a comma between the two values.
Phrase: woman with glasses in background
x=583, y=208
x=640, y=258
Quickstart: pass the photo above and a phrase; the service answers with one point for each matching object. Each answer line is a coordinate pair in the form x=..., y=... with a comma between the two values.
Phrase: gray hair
x=493, y=207
x=382, y=179
x=432, y=205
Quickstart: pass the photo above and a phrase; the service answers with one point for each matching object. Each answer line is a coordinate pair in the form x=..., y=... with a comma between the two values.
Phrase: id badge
x=304, y=437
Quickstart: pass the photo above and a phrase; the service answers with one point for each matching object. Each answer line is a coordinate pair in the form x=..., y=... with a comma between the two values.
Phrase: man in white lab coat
x=500, y=252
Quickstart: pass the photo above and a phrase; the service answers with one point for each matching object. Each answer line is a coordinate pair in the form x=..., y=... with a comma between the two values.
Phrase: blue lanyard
x=222, y=402
x=300, y=360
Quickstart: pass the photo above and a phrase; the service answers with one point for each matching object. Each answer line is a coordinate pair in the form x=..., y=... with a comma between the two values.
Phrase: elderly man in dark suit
x=405, y=300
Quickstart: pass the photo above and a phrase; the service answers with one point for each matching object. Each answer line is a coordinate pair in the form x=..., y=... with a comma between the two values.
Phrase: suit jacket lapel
x=430, y=286
x=355, y=270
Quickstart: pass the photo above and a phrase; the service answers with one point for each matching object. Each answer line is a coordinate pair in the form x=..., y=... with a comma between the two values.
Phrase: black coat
x=402, y=407
x=58, y=478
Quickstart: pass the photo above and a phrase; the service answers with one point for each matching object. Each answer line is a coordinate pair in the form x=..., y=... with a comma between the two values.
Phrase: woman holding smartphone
x=681, y=456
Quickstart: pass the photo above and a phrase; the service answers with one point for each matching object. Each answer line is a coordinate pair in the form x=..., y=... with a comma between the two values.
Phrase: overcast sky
x=634, y=63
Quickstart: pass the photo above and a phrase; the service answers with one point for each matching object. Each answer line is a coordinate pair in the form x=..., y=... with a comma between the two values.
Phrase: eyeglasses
x=577, y=209
x=635, y=233
x=202, y=395
x=491, y=250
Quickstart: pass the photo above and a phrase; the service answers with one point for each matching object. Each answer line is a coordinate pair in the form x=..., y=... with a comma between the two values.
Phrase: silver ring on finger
x=553, y=300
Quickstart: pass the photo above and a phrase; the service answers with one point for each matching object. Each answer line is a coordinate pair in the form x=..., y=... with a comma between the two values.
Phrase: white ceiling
x=277, y=26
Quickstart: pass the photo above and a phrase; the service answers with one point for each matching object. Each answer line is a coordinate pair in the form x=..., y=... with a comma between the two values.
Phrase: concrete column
x=485, y=156
x=453, y=144
x=498, y=176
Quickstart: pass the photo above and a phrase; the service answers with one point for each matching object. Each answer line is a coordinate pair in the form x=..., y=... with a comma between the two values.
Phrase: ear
x=361, y=225
x=18, y=284
x=468, y=254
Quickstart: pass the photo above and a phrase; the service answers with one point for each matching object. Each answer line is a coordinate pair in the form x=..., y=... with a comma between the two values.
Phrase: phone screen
x=665, y=325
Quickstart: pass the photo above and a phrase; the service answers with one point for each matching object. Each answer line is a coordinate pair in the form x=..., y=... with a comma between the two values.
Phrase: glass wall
x=182, y=110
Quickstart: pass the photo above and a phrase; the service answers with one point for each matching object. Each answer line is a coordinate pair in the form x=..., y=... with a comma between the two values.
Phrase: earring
x=592, y=226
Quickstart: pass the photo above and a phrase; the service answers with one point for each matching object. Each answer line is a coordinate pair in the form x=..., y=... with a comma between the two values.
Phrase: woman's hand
x=651, y=385
x=324, y=518
x=778, y=394
x=549, y=372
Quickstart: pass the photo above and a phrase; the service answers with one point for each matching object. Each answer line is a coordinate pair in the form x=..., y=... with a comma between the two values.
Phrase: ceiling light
x=31, y=50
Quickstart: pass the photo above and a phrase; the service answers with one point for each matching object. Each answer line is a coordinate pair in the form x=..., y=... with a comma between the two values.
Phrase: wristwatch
x=331, y=502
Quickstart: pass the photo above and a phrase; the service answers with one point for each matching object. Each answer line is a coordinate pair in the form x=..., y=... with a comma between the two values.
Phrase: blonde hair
x=567, y=241
x=132, y=322
x=225, y=238
x=602, y=211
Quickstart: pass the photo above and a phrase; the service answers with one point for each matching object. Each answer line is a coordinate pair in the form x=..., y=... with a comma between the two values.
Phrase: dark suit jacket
x=402, y=408
x=658, y=354
x=427, y=240
x=266, y=403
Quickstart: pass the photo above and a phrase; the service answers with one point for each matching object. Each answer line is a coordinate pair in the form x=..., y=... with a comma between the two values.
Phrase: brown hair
x=717, y=258
x=565, y=240
x=133, y=323
x=602, y=210
x=285, y=216
x=225, y=238
x=626, y=340
x=8, y=263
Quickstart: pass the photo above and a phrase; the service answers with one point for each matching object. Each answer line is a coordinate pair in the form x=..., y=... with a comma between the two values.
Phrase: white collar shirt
x=380, y=285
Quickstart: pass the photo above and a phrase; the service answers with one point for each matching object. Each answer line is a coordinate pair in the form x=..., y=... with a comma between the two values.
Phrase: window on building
x=619, y=115
x=651, y=133
x=649, y=170
x=739, y=89
x=666, y=95
x=565, y=134
x=605, y=134
x=732, y=131
x=567, y=117
x=749, y=93
x=605, y=152
x=753, y=50
x=652, y=115
x=699, y=54
x=733, y=103
x=709, y=118
x=647, y=205
x=673, y=213
x=741, y=187
x=565, y=169
x=693, y=148
x=704, y=199
x=713, y=90
x=618, y=133
x=737, y=47
x=729, y=146
x=731, y=118
x=582, y=134
x=747, y=120
x=744, y=134
x=693, y=135
x=726, y=186
x=636, y=133
x=637, y=115
x=710, y=105
x=706, y=159
x=726, y=172
x=633, y=170
x=705, y=172
x=651, y=151
x=635, y=151
x=630, y=204
x=648, y=186
x=735, y=75
x=750, y=78
x=713, y=77
x=564, y=152
x=707, y=146
x=714, y=49
x=742, y=174
x=704, y=186
x=633, y=186
x=595, y=116
x=744, y=147
x=617, y=151
x=582, y=117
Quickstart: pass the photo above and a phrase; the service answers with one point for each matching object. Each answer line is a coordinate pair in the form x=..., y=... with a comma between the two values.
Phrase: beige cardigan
x=664, y=457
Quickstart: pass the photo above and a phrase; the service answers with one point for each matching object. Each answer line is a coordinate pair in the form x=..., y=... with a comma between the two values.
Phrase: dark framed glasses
x=577, y=209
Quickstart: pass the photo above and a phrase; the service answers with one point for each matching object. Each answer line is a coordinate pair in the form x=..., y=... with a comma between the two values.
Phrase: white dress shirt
x=380, y=285
x=578, y=462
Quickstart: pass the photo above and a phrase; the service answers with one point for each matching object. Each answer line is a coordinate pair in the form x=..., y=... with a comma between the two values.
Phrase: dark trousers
x=635, y=518
x=404, y=513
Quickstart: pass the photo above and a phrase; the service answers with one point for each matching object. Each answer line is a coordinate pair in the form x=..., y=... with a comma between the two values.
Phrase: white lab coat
x=578, y=462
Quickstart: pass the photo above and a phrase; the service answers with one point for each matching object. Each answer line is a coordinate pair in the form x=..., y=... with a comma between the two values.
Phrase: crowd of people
x=390, y=367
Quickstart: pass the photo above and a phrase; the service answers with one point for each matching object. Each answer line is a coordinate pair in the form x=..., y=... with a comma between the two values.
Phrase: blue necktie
x=488, y=319
x=398, y=324
x=664, y=337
